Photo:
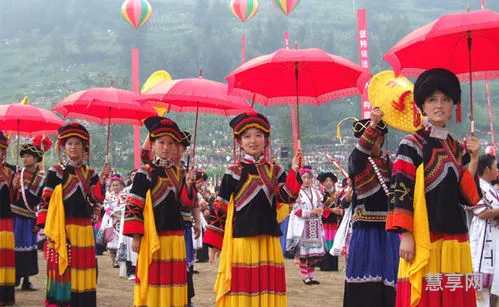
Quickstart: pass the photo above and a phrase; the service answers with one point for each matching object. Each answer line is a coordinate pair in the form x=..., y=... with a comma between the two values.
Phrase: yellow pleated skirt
x=448, y=276
x=258, y=274
x=167, y=286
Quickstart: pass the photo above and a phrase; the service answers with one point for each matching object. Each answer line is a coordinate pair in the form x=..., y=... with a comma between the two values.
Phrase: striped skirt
x=7, y=262
x=330, y=230
x=77, y=285
x=258, y=273
x=167, y=274
x=449, y=280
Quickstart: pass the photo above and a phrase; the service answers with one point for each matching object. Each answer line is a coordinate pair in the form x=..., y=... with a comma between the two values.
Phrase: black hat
x=161, y=126
x=435, y=79
x=186, y=139
x=325, y=175
x=32, y=150
x=4, y=143
x=361, y=125
x=247, y=120
x=73, y=130
x=201, y=175
x=37, y=148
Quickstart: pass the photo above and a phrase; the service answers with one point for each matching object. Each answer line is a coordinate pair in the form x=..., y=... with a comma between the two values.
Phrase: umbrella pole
x=472, y=117
x=195, y=135
x=108, y=135
x=297, y=105
x=17, y=153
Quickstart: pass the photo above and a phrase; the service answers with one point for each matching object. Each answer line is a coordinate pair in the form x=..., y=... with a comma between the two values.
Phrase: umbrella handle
x=108, y=135
x=17, y=153
x=472, y=116
x=195, y=135
x=297, y=75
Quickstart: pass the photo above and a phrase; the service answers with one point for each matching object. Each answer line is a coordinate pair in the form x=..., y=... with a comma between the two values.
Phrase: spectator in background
x=484, y=233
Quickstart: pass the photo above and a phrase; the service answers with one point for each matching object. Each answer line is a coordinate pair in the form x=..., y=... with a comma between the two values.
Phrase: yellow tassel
x=224, y=277
x=55, y=227
x=148, y=246
x=338, y=127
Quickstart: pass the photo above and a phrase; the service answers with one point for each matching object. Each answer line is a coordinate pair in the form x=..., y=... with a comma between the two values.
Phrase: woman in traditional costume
x=373, y=253
x=330, y=218
x=66, y=213
x=111, y=219
x=244, y=224
x=7, y=254
x=432, y=179
x=159, y=190
x=305, y=234
x=484, y=233
x=28, y=187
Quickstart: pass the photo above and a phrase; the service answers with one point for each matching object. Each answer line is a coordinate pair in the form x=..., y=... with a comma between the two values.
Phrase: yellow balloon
x=155, y=78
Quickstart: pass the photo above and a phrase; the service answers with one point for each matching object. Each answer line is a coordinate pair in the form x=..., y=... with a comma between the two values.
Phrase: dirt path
x=113, y=291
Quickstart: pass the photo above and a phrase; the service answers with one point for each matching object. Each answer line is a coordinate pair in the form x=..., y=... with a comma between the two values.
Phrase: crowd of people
x=417, y=231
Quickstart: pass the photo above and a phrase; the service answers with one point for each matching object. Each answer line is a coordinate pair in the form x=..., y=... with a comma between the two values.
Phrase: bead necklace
x=379, y=176
x=23, y=191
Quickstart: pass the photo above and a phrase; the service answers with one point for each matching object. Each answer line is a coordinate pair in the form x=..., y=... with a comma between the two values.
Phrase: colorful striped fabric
x=244, y=9
x=258, y=273
x=286, y=6
x=7, y=262
x=77, y=285
x=136, y=12
x=447, y=278
x=167, y=274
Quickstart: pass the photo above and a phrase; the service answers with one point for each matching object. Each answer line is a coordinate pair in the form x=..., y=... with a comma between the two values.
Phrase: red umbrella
x=301, y=76
x=105, y=106
x=27, y=120
x=195, y=95
x=464, y=43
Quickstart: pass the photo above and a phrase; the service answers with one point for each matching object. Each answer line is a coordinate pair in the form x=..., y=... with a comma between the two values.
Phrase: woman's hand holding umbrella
x=105, y=174
x=16, y=181
x=190, y=178
x=472, y=145
x=297, y=161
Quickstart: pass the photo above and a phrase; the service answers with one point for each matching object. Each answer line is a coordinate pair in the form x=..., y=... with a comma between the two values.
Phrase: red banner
x=363, y=58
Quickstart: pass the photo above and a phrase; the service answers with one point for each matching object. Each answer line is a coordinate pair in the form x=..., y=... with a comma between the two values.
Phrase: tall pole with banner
x=136, y=90
x=136, y=13
x=364, y=59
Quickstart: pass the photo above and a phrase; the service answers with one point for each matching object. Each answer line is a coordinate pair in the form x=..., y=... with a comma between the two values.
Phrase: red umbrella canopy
x=196, y=94
x=28, y=120
x=313, y=75
x=444, y=44
x=104, y=106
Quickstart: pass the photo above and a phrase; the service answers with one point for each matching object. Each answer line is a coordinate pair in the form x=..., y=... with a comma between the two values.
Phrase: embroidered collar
x=161, y=162
x=437, y=132
x=249, y=159
x=74, y=163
